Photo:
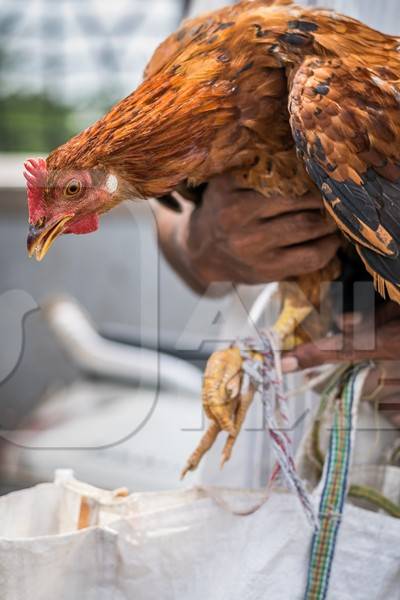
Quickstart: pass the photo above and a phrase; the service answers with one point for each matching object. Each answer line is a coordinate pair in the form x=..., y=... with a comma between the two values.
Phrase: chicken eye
x=73, y=188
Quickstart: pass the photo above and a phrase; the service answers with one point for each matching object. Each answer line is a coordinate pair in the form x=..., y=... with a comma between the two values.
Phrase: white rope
x=266, y=377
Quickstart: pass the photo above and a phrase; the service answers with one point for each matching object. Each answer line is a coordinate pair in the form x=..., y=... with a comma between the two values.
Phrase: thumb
x=314, y=354
x=335, y=349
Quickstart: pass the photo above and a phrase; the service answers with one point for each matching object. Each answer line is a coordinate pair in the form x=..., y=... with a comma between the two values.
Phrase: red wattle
x=84, y=225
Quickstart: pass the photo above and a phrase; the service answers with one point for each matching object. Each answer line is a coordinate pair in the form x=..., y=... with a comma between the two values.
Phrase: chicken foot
x=223, y=403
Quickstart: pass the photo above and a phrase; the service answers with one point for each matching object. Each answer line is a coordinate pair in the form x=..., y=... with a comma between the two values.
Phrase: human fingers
x=365, y=344
x=223, y=191
x=299, y=227
x=307, y=258
x=260, y=208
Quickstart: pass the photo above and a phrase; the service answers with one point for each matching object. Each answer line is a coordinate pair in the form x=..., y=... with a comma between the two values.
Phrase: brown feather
x=284, y=97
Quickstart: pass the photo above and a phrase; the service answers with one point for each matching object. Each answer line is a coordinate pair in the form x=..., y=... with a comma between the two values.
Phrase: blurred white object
x=96, y=355
x=135, y=424
x=70, y=540
x=262, y=302
x=109, y=435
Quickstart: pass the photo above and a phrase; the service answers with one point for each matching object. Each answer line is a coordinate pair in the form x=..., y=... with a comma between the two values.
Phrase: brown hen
x=287, y=99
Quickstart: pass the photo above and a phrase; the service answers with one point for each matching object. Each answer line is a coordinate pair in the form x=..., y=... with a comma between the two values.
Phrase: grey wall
x=108, y=272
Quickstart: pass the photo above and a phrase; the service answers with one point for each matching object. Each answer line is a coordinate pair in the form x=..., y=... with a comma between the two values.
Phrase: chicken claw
x=242, y=410
x=222, y=403
x=221, y=387
x=206, y=442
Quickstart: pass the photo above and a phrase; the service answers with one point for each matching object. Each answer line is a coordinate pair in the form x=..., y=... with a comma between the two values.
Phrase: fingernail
x=357, y=318
x=349, y=320
x=290, y=364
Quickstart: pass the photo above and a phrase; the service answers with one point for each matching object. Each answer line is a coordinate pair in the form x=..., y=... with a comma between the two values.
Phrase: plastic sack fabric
x=68, y=540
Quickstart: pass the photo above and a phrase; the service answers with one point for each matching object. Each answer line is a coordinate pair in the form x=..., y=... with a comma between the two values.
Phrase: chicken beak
x=41, y=237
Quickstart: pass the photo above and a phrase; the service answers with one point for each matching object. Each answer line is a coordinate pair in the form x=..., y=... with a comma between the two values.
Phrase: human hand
x=239, y=236
x=377, y=338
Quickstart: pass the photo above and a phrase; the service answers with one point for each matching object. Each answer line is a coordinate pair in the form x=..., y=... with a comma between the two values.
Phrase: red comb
x=35, y=174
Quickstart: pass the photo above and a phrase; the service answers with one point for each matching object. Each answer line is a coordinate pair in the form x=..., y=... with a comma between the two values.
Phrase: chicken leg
x=223, y=400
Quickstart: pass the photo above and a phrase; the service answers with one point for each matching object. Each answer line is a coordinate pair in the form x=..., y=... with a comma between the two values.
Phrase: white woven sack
x=180, y=545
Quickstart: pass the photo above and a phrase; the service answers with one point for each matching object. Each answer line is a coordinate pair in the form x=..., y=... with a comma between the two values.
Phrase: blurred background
x=62, y=65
